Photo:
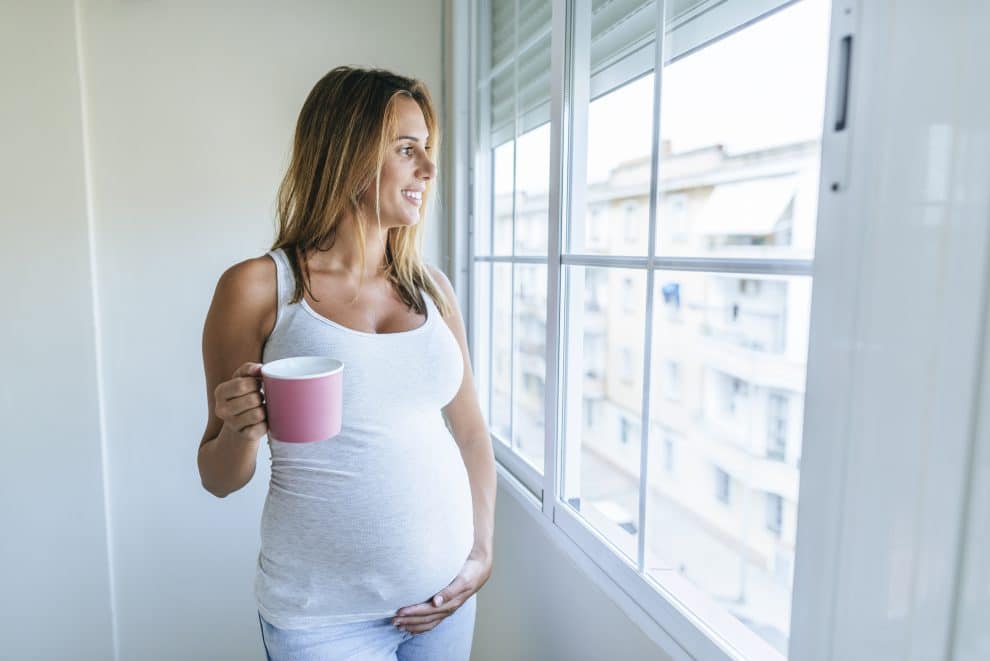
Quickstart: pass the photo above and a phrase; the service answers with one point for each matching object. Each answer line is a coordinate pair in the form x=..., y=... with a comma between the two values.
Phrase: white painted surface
x=543, y=603
x=898, y=320
x=54, y=569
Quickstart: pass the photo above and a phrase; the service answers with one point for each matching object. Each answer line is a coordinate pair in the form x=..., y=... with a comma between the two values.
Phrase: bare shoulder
x=248, y=290
x=251, y=274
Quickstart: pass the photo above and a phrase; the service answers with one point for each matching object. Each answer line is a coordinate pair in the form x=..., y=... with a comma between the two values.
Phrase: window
x=749, y=287
x=628, y=296
x=668, y=454
x=777, y=427
x=707, y=212
x=774, y=513
x=722, y=483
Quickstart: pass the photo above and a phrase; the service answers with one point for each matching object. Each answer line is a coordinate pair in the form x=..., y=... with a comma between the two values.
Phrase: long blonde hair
x=342, y=136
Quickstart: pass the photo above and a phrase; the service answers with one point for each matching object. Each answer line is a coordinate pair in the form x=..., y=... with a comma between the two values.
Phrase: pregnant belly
x=356, y=547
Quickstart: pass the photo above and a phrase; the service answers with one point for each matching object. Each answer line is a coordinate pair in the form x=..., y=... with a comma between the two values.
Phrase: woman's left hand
x=423, y=617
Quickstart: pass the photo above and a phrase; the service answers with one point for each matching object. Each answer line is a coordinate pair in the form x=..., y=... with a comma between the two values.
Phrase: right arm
x=240, y=318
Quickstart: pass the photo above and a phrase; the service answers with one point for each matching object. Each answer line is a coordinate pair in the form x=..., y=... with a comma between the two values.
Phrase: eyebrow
x=409, y=137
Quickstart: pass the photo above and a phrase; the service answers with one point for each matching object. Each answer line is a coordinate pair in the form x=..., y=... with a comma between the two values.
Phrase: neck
x=343, y=258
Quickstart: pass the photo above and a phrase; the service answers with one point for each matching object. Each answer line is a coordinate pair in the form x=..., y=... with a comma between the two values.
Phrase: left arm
x=470, y=431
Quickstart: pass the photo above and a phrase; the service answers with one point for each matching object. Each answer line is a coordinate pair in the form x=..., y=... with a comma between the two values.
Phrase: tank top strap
x=286, y=280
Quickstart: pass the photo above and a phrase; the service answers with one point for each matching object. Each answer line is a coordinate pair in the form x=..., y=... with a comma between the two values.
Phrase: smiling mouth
x=413, y=197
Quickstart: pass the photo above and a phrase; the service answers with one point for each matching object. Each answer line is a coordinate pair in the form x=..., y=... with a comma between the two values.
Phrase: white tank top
x=378, y=517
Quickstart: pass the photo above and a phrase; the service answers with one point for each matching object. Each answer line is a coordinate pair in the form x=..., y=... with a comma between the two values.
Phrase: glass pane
x=503, y=158
x=616, y=221
x=741, y=140
x=501, y=334
x=605, y=325
x=481, y=333
x=529, y=361
x=726, y=405
x=532, y=196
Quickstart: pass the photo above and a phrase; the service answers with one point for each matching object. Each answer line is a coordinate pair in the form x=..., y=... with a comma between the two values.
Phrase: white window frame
x=681, y=632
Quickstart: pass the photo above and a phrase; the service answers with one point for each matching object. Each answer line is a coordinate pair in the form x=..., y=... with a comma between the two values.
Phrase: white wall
x=540, y=604
x=52, y=532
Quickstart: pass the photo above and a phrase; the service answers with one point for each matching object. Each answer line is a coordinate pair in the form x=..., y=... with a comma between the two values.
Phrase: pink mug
x=303, y=398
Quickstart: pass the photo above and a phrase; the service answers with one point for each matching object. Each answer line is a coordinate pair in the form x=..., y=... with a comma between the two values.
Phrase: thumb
x=438, y=600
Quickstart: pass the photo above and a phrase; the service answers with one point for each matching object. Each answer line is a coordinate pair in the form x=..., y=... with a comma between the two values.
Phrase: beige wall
x=52, y=527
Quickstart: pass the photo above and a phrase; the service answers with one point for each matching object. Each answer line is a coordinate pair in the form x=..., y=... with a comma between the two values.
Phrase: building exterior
x=727, y=367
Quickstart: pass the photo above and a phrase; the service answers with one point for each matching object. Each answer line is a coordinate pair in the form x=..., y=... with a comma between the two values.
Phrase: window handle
x=845, y=62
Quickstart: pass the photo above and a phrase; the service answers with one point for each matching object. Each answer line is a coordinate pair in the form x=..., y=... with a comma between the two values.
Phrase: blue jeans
x=373, y=640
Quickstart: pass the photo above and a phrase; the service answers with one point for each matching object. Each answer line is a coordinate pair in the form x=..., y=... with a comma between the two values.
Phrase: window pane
x=723, y=513
x=532, y=186
x=481, y=333
x=741, y=138
x=501, y=334
x=620, y=126
x=502, y=175
x=603, y=394
x=529, y=361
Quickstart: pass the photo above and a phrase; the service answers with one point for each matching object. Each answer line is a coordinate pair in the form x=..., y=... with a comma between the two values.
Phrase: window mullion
x=561, y=148
x=706, y=264
x=644, y=447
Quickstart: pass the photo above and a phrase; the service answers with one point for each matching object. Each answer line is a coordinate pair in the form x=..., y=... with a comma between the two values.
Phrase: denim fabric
x=373, y=640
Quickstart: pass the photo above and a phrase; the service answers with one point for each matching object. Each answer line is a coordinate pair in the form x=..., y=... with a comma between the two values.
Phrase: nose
x=426, y=168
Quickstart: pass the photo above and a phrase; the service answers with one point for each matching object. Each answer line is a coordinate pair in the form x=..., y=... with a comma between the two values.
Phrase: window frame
x=688, y=629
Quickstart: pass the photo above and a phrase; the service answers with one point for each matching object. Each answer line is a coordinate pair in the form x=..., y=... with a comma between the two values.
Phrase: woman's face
x=407, y=168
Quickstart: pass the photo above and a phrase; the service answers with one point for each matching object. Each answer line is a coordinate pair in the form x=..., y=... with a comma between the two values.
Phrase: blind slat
x=619, y=29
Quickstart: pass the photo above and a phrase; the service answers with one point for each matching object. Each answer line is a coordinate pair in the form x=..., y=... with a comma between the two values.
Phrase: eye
x=406, y=150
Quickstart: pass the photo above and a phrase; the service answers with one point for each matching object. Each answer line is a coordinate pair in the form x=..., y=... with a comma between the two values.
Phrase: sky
x=762, y=86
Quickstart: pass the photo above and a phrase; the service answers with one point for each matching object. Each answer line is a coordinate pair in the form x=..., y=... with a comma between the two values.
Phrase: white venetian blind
x=622, y=35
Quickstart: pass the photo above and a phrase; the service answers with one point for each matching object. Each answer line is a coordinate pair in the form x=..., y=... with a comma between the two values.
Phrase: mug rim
x=325, y=365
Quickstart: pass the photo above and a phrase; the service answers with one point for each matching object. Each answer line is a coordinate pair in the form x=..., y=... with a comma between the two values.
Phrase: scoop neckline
x=319, y=317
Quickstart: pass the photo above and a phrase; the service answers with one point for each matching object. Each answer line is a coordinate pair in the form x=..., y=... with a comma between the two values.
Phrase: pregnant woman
x=373, y=543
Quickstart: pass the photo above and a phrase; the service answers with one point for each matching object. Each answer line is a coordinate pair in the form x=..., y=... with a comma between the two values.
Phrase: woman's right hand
x=240, y=405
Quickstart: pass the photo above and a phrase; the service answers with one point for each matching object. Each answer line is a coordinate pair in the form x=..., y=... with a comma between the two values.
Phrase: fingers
x=237, y=405
x=422, y=628
x=248, y=369
x=239, y=402
x=409, y=621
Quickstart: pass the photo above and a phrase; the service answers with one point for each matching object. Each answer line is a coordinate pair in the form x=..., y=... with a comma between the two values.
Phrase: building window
x=722, y=486
x=777, y=427
x=627, y=429
x=736, y=395
x=774, y=513
x=628, y=296
x=749, y=286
